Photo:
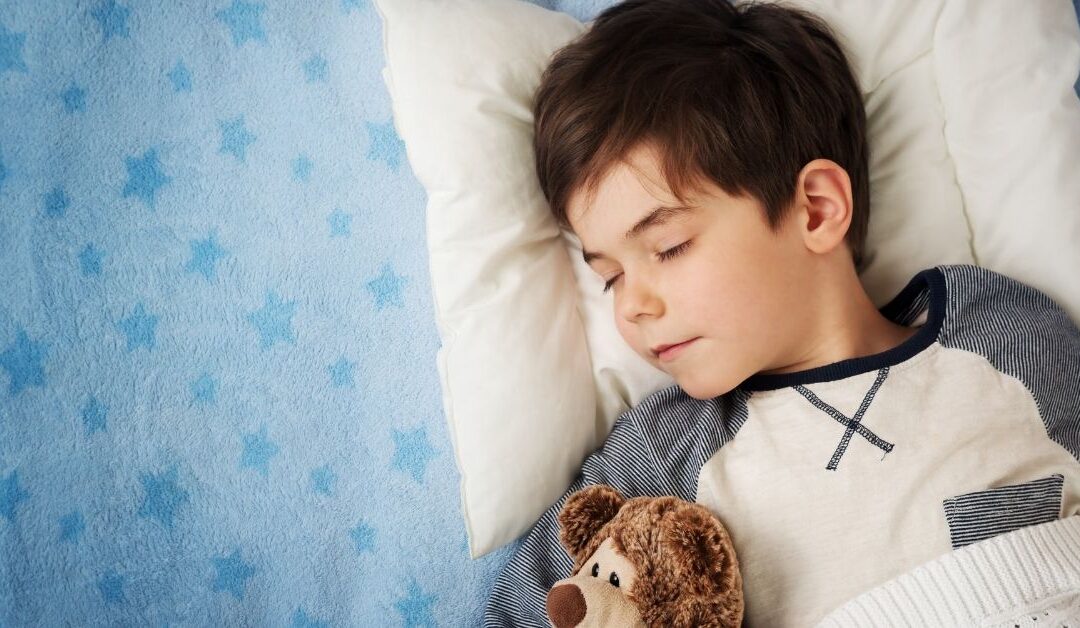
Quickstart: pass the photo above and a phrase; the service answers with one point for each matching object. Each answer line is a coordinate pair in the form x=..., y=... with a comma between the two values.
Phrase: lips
x=657, y=350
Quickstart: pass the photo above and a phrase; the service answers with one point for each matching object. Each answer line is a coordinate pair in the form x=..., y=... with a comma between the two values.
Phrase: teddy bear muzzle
x=566, y=606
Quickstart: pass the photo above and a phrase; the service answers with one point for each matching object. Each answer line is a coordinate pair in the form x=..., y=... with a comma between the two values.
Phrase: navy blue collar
x=927, y=286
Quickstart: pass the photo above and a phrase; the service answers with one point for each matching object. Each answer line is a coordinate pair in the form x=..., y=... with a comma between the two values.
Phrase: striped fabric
x=660, y=446
x=983, y=514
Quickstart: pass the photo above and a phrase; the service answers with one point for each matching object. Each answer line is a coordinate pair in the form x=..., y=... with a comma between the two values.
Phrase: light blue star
x=56, y=202
x=163, y=496
x=415, y=609
x=93, y=415
x=74, y=98
x=3, y=173
x=22, y=360
x=111, y=586
x=145, y=177
x=258, y=450
x=242, y=18
x=340, y=223
x=140, y=328
x=412, y=451
x=315, y=68
x=11, y=495
x=11, y=50
x=232, y=574
x=204, y=255
x=71, y=527
x=387, y=288
x=180, y=77
x=274, y=320
x=112, y=18
x=235, y=138
x=204, y=388
x=385, y=144
x=301, y=620
x=302, y=168
x=322, y=480
x=90, y=260
x=341, y=372
x=363, y=536
x=349, y=5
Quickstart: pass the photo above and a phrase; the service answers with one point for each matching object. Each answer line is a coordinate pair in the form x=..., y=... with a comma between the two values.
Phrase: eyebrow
x=658, y=216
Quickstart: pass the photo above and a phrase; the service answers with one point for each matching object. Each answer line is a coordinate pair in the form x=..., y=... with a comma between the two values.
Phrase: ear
x=584, y=513
x=824, y=205
x=701, y=549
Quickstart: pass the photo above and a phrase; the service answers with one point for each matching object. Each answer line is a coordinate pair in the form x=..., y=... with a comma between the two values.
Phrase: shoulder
x=682, y=432
x=982, y=303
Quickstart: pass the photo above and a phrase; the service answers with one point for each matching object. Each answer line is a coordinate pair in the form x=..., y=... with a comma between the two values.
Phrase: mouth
x=670, y=352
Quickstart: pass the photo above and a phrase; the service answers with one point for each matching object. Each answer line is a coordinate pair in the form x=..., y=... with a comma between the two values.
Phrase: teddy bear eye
x=595, y=570
x=614, y=579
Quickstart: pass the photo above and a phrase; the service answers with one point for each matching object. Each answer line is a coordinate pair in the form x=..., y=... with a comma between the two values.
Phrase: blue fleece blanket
x=218, y=396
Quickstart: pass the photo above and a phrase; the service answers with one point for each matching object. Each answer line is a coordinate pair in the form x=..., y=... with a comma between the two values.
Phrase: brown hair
x=742, y=95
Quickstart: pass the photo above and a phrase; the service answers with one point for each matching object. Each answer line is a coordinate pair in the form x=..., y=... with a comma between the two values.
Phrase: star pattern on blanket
x=10, y=495
x=412, y=451
x=22, y=359
x=56, y=202
x=163, y=496
x=232, y=574
x=323, y=480
x=341, y=373
x=302, y=166
x=112, y=18
x=11, y=51
x=385, y=145
x=72, y=527
x=273, y=321
x=90, y=260
x=205, y=254
x=258, y=450
x=363, y=536
x=235, y=138
x=93, y=415
x=140, y=328
x=316, y=69
x=244, y=20
x=387, y=287
x=111, y=587
x=3, y=172
x=74, y=98
x=340, y=223
x=145, y=177
x=415, y=607
x=180, y=76
x=204, y=389
x=302, y=620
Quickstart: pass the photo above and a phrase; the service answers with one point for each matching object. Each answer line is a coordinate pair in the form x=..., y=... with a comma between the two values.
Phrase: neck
x=842, y=323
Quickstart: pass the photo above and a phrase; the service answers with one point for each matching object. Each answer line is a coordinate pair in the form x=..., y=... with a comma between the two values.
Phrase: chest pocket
x=973, y=517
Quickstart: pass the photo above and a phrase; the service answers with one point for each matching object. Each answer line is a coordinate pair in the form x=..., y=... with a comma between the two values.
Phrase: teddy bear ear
x=584, y=513
x=701, y=548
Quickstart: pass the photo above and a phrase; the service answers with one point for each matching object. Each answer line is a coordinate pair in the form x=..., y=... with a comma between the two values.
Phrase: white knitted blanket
x=1026, y=578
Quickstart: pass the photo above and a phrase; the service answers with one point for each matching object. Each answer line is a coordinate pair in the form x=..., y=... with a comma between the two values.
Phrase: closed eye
x=663, y=255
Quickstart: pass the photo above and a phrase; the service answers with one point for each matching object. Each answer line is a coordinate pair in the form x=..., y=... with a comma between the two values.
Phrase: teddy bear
x=646, y=561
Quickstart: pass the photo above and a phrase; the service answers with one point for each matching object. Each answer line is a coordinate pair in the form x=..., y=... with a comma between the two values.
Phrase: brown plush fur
x=687, y=572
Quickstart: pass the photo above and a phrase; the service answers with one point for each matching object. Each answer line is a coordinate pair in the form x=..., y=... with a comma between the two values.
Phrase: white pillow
x=974, y=131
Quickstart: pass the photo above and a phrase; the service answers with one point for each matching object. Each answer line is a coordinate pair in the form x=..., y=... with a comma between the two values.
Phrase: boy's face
x=736, y=288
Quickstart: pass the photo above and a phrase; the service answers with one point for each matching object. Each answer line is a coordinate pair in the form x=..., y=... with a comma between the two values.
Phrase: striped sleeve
x=1024, y=333
x=519, y=596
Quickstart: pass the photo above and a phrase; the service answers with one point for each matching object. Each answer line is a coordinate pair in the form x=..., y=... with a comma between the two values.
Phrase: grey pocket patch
x=980, y=515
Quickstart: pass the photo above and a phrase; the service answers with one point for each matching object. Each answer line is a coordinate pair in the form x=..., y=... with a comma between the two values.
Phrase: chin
x=703, y=390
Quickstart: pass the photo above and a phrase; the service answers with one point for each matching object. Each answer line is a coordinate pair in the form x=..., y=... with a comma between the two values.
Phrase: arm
x=520, y=592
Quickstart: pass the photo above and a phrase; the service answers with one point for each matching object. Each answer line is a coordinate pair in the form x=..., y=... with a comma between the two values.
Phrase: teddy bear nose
x=566, y=606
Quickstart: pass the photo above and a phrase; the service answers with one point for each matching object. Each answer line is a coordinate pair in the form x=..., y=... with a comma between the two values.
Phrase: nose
x=637, y=298
x=566, y=606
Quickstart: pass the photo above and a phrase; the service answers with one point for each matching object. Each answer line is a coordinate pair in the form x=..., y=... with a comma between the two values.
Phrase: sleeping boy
x=712, y=159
